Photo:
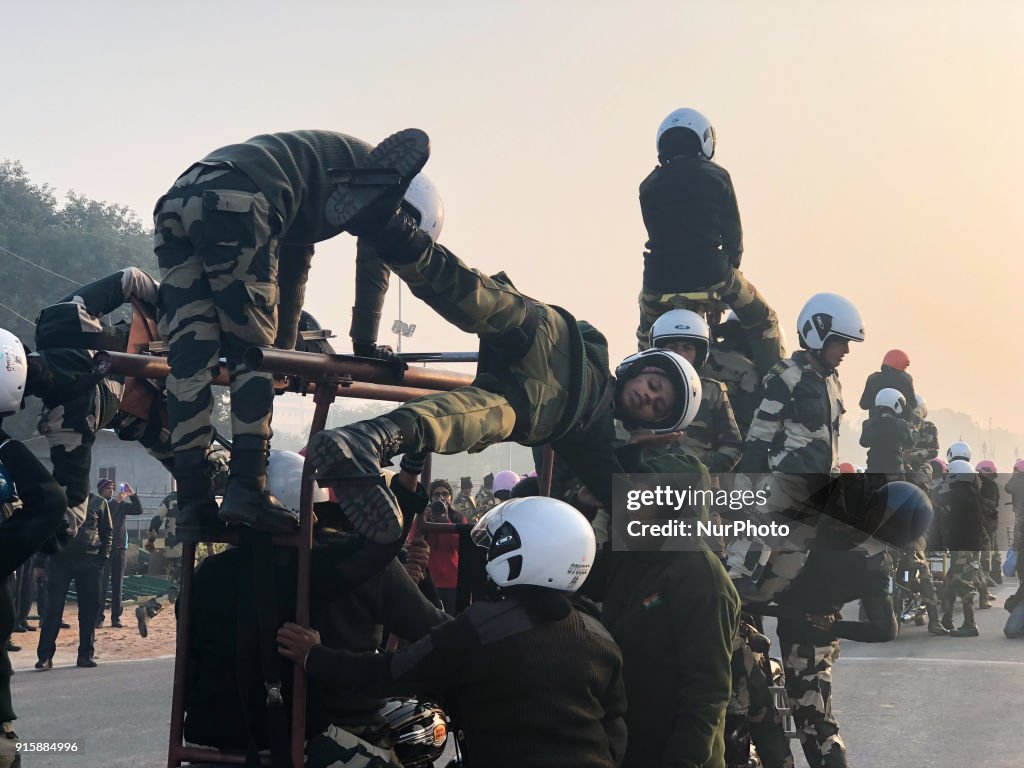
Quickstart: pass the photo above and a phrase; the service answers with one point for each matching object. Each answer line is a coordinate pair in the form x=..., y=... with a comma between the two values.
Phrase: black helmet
x=898, y=513
x=419, y=731
x=317, y=337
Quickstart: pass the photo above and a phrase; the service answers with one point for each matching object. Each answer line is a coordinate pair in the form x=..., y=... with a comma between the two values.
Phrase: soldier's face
x=684, y=349
x=834, y=352
x=648, y=397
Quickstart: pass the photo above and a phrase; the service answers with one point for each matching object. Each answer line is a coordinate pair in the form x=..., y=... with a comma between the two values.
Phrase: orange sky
x=874, y=146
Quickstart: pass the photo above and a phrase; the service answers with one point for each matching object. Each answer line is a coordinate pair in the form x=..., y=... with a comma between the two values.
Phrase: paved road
x=919, y=702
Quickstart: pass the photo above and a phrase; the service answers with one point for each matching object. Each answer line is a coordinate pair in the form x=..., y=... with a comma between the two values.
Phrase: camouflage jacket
x=737, y=372
x=796, y=427
x=926, y=445
x=484, y=501
x=713, y=436
x=463, y=507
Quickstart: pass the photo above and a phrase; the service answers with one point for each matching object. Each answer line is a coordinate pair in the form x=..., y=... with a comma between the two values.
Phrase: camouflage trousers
x=961, y=580
x=215, y=237
x=916, y=562
x=472, y=418
x=752, y=701
x=809, y=687
x=759, y=321
x=343, y=748
x=991, y=558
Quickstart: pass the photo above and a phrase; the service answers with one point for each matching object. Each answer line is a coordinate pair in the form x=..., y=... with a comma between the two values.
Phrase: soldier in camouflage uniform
x=695, y=241
x=915, y=559
x=966, y=537
x=77, y=402
x=542, y=377
x=485, y=496
x=712, y=436
x=729, y=362
x=751, y=713
x=166, y=518
x=463, y=505
x=234, y=239
x=991, y=559
x=796, y=431
x=926, y=446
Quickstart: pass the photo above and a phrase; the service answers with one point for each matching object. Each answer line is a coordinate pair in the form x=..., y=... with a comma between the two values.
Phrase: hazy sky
x=875, y=146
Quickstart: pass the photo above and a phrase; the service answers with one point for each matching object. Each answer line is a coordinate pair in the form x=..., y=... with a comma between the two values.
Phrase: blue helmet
x=898, y=513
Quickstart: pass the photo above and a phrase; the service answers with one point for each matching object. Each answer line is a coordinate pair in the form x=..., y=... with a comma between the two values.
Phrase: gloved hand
x=380, y=352
x=369, y=349
x=413, y=462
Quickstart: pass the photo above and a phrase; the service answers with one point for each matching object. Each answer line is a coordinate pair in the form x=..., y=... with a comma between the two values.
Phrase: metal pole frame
x=326, y=377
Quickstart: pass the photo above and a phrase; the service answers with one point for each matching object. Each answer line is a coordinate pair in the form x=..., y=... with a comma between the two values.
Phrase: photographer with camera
x=125, y=503
x=443, y=565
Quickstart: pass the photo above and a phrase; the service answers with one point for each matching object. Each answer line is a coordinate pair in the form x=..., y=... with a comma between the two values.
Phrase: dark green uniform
x=542, y=376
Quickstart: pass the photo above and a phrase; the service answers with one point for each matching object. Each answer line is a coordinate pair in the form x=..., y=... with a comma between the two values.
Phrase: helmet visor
x=483, y=532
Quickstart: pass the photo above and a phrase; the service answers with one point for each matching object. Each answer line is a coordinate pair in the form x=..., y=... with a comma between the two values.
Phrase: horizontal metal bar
x=314, y=366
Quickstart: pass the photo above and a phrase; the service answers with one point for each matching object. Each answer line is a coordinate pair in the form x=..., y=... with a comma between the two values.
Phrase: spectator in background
x=126, y=503
x=82, y=560
x=443, y=565
x=463, y=508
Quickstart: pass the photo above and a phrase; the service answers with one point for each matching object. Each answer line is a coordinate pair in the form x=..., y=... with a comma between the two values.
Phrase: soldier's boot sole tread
x=348, y=461
x=405, y=152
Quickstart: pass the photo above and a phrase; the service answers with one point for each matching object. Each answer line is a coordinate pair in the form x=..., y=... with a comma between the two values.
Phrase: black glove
x=413, y=462
x=380, y=352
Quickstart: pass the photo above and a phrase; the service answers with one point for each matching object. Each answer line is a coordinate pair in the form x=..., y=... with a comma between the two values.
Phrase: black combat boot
x=350, y=460
x=247, y=500
x=197, y=507
x=947, y=615
x=969, y=628
x=934, y=625
x=367, y=197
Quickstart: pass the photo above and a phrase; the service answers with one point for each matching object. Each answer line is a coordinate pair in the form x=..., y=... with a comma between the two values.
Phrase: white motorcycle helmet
x=284, y=479
x=536, y=541
x=423, y=196
x=892, y=399
x=684, y=380
x=827, y=316
x=683, y=325
x=920, y=407
x=13, y=372
x=692, y=120
x=958, y=450
x=960, y=471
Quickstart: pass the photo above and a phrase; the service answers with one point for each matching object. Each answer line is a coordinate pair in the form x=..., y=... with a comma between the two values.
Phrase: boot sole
x=405, y=152
x=370, y=507
x=336, y=459
x=373, y=512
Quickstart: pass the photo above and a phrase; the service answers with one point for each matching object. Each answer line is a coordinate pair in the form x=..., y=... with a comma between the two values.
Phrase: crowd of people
x=546, y=644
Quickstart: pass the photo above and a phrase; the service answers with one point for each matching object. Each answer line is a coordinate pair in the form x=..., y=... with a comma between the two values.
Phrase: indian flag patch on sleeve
x=651, y=600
